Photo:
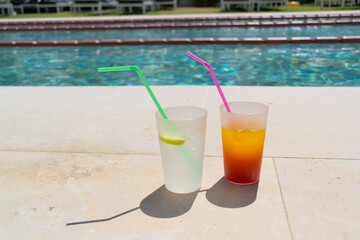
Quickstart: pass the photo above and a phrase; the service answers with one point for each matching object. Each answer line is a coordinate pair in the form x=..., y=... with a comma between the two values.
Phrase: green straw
x=184, y=150
x=137, y=70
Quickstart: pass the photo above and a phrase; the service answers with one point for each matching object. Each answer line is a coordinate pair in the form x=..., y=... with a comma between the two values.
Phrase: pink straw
x=213, y=77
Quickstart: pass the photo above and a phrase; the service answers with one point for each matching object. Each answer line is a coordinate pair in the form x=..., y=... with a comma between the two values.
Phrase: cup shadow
x=164, y=204
x=227, y=195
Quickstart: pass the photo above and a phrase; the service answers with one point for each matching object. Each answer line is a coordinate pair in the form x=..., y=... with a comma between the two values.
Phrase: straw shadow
x=165, y=204
x=228, y=195
x=104, y=219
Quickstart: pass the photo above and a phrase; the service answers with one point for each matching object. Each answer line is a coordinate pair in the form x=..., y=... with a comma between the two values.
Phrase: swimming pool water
x=296, y=31
x=251, y=65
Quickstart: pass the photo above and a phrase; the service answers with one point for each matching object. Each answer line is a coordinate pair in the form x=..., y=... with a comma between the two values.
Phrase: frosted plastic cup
x=182, y=140
x=243, y=135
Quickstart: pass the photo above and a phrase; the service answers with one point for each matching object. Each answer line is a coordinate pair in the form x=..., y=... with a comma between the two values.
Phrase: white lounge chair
x=42, y=4
x=6, y=6
x=226, y=4
x=109, y=4
x=120, y=5
x=64, y=4
x=38, y=5
x=330, y=3
x=29, y=4
x=77, y=5
x=47, y=4
x=143, y=4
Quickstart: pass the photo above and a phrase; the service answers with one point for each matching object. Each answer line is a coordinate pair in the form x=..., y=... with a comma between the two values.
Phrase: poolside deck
x=74, y=155
x=263, y=14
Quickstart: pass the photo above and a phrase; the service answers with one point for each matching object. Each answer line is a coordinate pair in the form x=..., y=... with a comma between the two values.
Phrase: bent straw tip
x=199, y=60
x=135, y=68
x=213, y=76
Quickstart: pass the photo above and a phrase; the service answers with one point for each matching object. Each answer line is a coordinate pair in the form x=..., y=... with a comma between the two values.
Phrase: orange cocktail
x=242, y=155
x=243, y=135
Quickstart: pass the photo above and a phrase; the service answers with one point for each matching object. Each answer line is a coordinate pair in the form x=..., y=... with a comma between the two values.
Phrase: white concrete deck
x=78, y=154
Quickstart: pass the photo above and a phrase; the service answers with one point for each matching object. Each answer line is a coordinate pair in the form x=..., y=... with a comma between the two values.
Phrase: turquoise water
x=308, y=31
x=253, y=65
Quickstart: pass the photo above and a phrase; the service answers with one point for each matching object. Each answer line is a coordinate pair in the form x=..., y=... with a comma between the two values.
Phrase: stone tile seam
x=183, y=41
x=77, y=152
x=182, y=25
x=270, y=17
x=319, y=158
x=283, y=199
x=155, y=154
x=300, y=158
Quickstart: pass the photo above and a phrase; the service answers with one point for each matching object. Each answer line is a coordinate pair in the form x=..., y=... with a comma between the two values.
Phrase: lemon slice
x=173, y=141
